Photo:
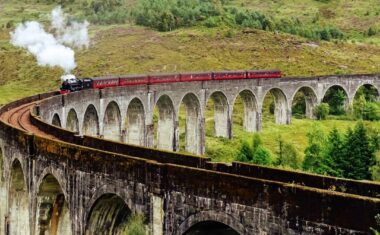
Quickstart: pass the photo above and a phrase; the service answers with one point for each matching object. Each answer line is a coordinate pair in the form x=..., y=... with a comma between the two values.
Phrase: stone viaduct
x=126, y=113
x=91, y=175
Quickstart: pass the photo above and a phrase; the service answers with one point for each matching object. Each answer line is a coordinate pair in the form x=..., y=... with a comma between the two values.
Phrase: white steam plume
x=48, y=48
x=70, y=33
x=43, y=45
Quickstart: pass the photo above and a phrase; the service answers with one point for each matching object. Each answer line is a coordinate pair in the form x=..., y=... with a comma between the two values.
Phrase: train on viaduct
x=83, y=163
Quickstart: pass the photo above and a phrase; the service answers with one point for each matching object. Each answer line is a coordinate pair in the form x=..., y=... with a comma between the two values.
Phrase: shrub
x=322, y=111
x=135, y=225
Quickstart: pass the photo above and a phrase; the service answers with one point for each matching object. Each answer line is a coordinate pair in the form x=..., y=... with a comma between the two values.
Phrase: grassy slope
x=130, y=49
x=349, y=15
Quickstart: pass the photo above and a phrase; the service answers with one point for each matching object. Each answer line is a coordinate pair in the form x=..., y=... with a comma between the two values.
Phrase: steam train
x=70, y=83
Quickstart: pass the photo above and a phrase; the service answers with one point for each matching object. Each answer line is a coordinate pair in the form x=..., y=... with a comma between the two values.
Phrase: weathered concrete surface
x=135, y=124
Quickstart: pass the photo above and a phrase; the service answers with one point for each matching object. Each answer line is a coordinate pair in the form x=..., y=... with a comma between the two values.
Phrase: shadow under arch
x=18, y=201
x=135, y=123
x=280, y=101
x=246, y=102
x=190, y=126
x=72, y=122
x=90, y=121
x=112, y=122
x=338, y=99
x=221, y=222
x=108, y=215
x=56, y=121
x=217, y=103
x=371, y=92
x=304, y=100
x=165, y=137
x=52, y=214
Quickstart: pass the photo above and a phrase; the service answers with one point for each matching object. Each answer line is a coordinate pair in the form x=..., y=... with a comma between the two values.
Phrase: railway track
x=20, y=119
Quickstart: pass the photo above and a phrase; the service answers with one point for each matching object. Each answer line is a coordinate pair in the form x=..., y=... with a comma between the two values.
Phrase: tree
x=262, y=156
x=287, y=155
x=314, y=153
x=360, y=106
x=322, y=111
x=334, y=155
x=256, y=154
x=359, y=154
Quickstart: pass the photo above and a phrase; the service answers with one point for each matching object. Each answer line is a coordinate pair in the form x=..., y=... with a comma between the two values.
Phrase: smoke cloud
x=70, y=33
x=53, y=49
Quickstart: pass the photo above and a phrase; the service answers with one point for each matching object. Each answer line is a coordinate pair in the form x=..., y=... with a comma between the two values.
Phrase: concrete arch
x=135, y=122
x=112, y=122
x=90, y=121
x=18, y=201
x=334, y=85
x=364, y=85
x=281, y=109
x=311, y=100
x=203, y=216
x=72, y=122
x=108, y=215
x=348, y=100
x=250, y=117
x=56, y=121
x=193, y=126
x=53, y=213
x=166, y=128
x=222, y=121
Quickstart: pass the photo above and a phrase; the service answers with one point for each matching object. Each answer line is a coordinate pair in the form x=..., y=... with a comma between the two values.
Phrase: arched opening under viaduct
x=56, y=120
x=18, y=213
x=90, y=121
x=112, y=122
x=135, y=123
x=366, y=102
x=245, y=112
x=108, y=215
x=52, y=215
x=190, y=124
x=164, y=124
x=275, y=107
x=72, y=122
x=304, y=102
x=337, y=99
x=210, y=228
x=217, y=116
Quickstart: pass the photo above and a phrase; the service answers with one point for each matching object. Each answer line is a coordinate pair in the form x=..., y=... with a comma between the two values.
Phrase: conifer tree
x=334, y=154
x=287, y=155
x=359, y=154
x=313, y=152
